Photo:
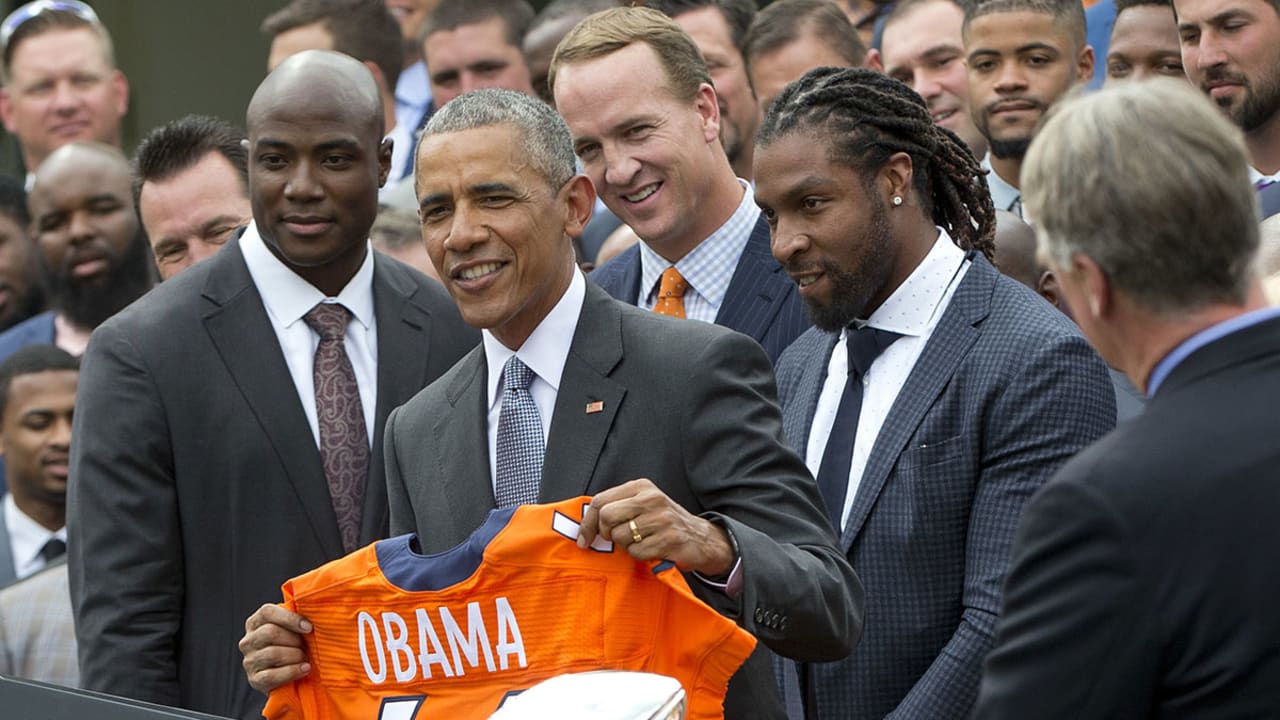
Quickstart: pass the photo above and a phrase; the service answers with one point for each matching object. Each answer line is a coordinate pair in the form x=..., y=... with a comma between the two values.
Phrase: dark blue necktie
x=864, y=345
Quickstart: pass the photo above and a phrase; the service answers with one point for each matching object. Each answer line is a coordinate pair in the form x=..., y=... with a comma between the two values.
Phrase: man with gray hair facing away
x=1143, y=580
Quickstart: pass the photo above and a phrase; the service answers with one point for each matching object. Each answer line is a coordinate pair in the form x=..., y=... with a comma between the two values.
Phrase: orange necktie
x=671, y=294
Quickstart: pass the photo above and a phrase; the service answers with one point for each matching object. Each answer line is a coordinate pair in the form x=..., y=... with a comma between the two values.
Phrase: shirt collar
x=1256, y=176
x=26, y=536
x=1003, y=195
x=913, y=308
x=288, y=297
x=546, y=349
x=704, y=267
x=1171, y=361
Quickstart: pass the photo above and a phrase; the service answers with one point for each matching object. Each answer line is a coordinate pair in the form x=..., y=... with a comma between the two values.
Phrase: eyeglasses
x=40, y=7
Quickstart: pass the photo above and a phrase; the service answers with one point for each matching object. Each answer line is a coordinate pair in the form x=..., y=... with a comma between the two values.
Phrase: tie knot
x=329, y=320
x=516, y=375
x=672, y=284
x=865, y=345
x=53, y=550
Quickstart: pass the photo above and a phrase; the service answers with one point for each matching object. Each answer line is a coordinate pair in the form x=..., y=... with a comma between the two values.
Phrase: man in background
x=21, y=287
x=93, y=252
x=791, y=37
x=1023, y=56
x=1231, y=50
x=1144, y=42
x=923, y=47
x=191, y=188
x=60, y=80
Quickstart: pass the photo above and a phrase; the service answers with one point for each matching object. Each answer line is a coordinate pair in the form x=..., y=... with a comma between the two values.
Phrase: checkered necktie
x=520, y=445
x=344, y=440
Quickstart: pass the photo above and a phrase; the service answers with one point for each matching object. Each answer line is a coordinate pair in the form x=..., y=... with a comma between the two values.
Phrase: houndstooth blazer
x=1004, y=392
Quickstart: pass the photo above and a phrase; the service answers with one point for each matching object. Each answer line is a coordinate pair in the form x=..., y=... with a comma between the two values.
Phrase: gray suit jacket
x=689, y=405
x=37, y=637
x=8, y=573
x=761, y=301
x=1005, y=391
x=196, y=485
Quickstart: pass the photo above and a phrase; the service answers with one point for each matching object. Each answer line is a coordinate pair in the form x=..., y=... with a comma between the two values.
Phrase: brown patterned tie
x=671, y=293
x=344, y=440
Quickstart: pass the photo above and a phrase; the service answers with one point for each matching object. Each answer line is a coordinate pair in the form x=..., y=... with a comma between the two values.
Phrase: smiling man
x=1231, y=50
x=923, y=47
x=242, y=403
x=1023, y=56
x=651, y=146
x=37, y=399
x=713, y=490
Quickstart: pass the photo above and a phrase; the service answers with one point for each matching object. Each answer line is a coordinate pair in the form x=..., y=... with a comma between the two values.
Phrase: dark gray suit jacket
x=692, y=407
x=1143, y=582
x=1005, y=391
x=196, y=485
x=761, y=301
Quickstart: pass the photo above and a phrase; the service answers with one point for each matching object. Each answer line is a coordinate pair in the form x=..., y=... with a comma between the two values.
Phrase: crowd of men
x=943, y=376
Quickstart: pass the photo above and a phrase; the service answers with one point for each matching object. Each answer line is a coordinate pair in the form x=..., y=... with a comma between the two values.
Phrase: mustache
x=1036, y=103
x=1219, y=75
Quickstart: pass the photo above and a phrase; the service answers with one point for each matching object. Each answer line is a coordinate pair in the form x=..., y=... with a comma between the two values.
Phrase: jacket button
x=759, y=615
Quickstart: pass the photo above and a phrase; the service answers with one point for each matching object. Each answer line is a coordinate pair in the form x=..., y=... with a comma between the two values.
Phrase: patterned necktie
x=864, y=345
x=344, y=440
x=1263, y=183
x=53, y=550
x=520, y=445
x=671, y=293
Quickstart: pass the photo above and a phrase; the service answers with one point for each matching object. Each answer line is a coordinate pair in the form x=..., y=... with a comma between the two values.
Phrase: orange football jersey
x=402, y=636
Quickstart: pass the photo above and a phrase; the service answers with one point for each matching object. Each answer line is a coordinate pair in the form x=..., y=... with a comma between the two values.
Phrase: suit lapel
x=246, y=342
x=758, y=287
x=403, y=330
x=587, y=402
x=461, y=450
x=946, y=349
x=799, y=410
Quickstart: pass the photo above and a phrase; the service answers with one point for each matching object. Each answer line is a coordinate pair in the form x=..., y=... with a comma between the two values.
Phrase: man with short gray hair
x=1143, y=582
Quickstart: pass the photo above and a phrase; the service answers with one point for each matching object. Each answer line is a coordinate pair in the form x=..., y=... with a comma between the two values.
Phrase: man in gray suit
x=213, y=419
x=931, y=399
x=671, y=426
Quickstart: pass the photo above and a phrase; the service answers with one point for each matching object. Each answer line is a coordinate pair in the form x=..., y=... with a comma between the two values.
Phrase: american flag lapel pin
x=595, y=407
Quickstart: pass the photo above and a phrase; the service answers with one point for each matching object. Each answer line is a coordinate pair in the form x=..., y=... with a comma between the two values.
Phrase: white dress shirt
x=1256, y=176
x=707, y=268
x=287, y=297
x=913, y=311
x=27, y=538
x=544, y=352
x=1003, y=195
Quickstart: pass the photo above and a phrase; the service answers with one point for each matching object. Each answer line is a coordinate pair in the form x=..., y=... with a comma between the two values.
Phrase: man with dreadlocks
x=932, y=397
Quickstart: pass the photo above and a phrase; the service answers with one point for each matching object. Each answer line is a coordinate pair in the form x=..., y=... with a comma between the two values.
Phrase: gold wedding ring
x=635, y=531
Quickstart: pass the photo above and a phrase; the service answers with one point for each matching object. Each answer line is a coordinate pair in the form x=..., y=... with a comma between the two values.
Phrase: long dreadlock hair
x=868, y=117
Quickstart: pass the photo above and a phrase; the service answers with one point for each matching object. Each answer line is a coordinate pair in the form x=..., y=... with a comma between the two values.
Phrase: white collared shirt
x=401, y=137
x=287, y=297
x=707, y=268
x=1003, y=195
x=27, y=538
x=1256, y=176
x=544, y=352
x=913, y=311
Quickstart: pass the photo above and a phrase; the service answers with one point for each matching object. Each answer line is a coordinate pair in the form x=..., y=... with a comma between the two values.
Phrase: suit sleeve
x=125, y=545
x=799, y=596
x=1059, y=403
x=1071, y=641
x=402, y=517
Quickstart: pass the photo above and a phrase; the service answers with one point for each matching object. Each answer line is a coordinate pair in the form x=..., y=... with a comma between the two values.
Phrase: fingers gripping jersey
x=403, y=636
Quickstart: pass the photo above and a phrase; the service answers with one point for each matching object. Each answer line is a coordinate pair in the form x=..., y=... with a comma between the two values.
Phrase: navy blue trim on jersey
x=414, y=572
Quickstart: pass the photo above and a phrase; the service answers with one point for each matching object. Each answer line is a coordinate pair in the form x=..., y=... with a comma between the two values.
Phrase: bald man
x=206, y=460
